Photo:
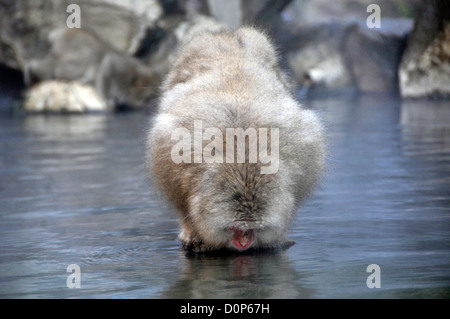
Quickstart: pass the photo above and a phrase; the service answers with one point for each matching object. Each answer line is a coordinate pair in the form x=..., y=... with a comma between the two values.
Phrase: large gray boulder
x=425, y=66
x=342, y=56
x=25, y=25
x=234, y=13
x=80, y=55
x=314, y=56
x=35, y=38
x=373, y=55
x=68, y=97
x=308, y=12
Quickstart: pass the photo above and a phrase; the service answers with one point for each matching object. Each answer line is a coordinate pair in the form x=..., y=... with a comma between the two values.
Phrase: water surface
x=73, y=190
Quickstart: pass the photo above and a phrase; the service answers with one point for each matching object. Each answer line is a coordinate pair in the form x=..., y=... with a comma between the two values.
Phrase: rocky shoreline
x=123, y=49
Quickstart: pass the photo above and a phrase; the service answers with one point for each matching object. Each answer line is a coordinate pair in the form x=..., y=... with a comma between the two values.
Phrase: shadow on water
x=254, y=275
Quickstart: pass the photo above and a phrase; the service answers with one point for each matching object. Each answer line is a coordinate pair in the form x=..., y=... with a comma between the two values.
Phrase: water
x=73, y=190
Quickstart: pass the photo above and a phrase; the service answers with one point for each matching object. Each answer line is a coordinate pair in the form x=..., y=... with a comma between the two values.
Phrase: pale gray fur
x=232, y=79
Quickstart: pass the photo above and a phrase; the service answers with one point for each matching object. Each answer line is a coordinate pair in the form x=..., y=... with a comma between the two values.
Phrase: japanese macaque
x=225, y=94
x=79, y=55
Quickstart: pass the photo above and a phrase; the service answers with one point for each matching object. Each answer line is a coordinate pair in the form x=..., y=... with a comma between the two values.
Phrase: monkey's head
x=237, y=207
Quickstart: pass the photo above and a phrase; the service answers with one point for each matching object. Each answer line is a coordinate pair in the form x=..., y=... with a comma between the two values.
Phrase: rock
x=425, y=66
x=7, y=57
x=344, y=56
x=80, y=55
x=235, y=13
x=314, y=55
x=125, y=48
x=146, y=13
x=150, y=10
x=36, y=40
x=373, y=55
x=26, y=24
x=186, y=31
x=315, y=12
x=58, y=96
x=227, y=11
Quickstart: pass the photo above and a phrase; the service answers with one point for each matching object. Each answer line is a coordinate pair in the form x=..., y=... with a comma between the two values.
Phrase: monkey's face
x=239, y=208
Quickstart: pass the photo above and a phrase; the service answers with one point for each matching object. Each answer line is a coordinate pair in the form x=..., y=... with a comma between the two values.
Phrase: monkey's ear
x=257, y=44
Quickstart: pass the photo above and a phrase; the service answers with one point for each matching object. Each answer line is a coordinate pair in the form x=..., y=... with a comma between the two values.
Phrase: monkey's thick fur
x=231, y=79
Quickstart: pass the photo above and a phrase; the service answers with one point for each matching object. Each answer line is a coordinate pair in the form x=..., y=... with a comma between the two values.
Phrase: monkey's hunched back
x=228, y=80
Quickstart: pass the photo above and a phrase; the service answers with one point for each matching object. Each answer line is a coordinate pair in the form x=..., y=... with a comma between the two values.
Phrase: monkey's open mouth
x=242, y=239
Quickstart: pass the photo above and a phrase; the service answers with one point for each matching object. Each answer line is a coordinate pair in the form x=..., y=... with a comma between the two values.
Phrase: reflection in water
x=73, y=189
x=61, y=127
x=426, y=129
x=258, y=275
